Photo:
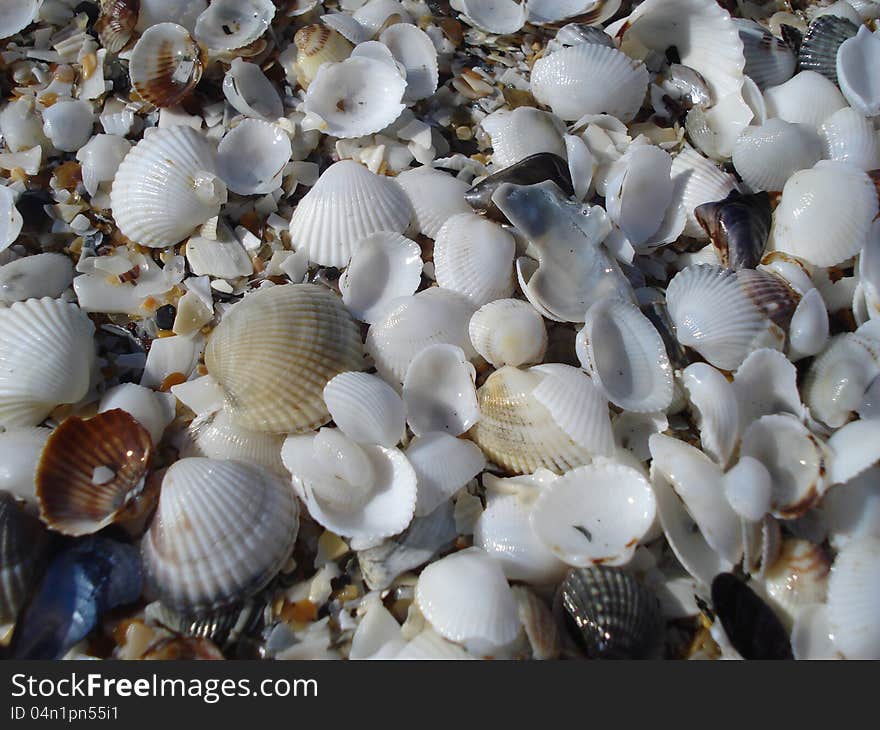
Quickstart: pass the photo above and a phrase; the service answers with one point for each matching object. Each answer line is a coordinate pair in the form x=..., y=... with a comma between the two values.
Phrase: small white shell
x=587, y=12
x=229, y=24
x=376, y=14
x=173, y=11
x=465, y=597
x=246, y=87
x=365, y=408
x=346, y=205
x=852, y=511
x=766, y=383
x=251, y=157
x=697, y=181
x=16, y=15
x=766, y=156
x=811, y=635
x=217, y=436
x=154, y=411
x=20, y=450
x=68, y=123
x=715, y=401
x=854, y=448
x=414, y=49
x=36, y=276
x=438, y=391
x=100, y=158
x=10, y=219
x=522, y=132
x=857, y=59
x=435, y=197
x=848, y=137
x=443, y=465
x=224, y=256
x=748, y=487
x=808, y=331
x=639, y=190
x=317, y=44
x=854, y=599
x=797, y=579
x=769, y=60
x=495, y=16
x=807, y=98
x=508, y=332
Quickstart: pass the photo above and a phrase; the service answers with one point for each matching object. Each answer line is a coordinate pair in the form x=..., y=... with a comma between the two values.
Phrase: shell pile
x=473, y=329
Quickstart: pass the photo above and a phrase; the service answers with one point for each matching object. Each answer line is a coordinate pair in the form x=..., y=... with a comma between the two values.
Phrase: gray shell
x=24, y=543
x=819, y=48
x=739, y=227
x=769, y=60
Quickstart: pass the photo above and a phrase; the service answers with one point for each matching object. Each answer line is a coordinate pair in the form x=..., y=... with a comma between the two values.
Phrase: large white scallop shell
x=251, y=157
x=346, y=205
x=508, y=332
x=766, y=156
x=229, y=24
x=715, y=402
x=854, y=599
x=435, y=197
x=848, y=137
x=222, y=530
x=438, y=391
x=522, y=132
x=807, y=98
x=415, y=51
x=857, y=60
x=166, y=187
x=366, y=408
x=443, y=465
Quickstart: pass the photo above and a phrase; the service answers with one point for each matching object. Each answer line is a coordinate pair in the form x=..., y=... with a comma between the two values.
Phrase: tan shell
x=275, y=351
x=116, y=23
x=798, y=578
x=166, y=64
x=317, y=44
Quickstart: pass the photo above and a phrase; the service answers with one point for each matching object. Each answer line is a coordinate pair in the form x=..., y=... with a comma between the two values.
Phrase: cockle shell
x=501, y=16
x=748, y=487
x=738, y=227
x=797, y=579
x=170, y=11
x=10, y=219
x=317, y=44
x=241, y=520
x=252, y=156
x=24, y=543
x=766, y=383
x=766, y=156
x=166, y=187
x=697, y=181
x=17, y=15
x=435, y=197
x=853, y=599
x=848, y=137
x=250, y=92
x=217, y=436
x=807, y=98
x=443, y=465
x=522, y=132
x=590, y=13
x=229, y=24
x=769, y=60
x=856, y=58
x=366, y=408
x=808, y=332
x=438, y=391
x=852, y=510
x=166, y=64
x=508, y=332
x=413, y=49
x=276, y=350
x=717, y=410
x=116, y=23
x=20, y=450
x=821, y=44
x=639, y=191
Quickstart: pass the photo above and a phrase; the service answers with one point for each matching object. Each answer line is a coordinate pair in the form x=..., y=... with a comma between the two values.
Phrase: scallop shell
x=116, y=23
x=807, y=98
x=47, y=351
x=802, y=228
x=474, y=257
x=366, y=408
x=717, y=410
x=229, y=24
x=521, y=133
x=414, y=50
x=166, y=64
x=250, y=92
x=217, y=436
x=501, y=17
x=347, y=204
x=252, y=156
x=20, y=450
x=166, y=187
x=821, y=43
x=465, y=597
x=241, y=524
x=852, y=511
x=848, y=137
x=274, y=352
x=438, y=391
x=590, y=79
x=317, y=44
x=435, y=197
x=766, y=156
x=374, y=15
x=443, y=465
x=766, y=383
x=68, y=124
x=769, y=60
x=854, y=598
x=856, y=59
x=697, y=181
x=508, y=332
x=853, y=449
x=17, y=15
x=626, y=357
x=24, y=543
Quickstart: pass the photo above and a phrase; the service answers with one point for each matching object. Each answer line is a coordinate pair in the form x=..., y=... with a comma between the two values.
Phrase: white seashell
x=99, y=159
x=495, y=16
x=166, y=187
x=375, y=51
x=839, y=377
x=769, y=60
x=522, y=132
x=852, y=511
x=802, y=228
x=697, y=181
x=857, y=57
x=428, y=645
x=433, y=316
x=217, y=436
x=590, y=79
x=795, y=459
x=169, y=11
x=766, y=156
x=633, y=430
x=21, y=125
x=10, y=219
x=68, y=123
x=202, y=395
x=715, y=131
x=165, y=64
x=580, y=165
x=443, y=465
x=594, y=515
x=811, y=636
x=474, y=257
x=36, y=276
x=748, y=487
x=229, y=24
x=848, y=137
x=639, y=191
x=347, y=204
x=377, y=629
x=366, y=408
x=355, y=97
x=438, y=391
x=169, y=355
x=48, y=352
x=797, y=579
x=465, y=597
x=20, y=450
x=714, y=400
x=252, y=156
x=16, y=15
x=508, y=332
x=241, y=524
x=624, y=353
x=224, y=256
x=376, y=14
x=808, y=331
x=414, y=49
x=435, y=197
x=854, y=598
x=854, y=448
x=807, y=98
x=154, y=411
x=588, y=12
x=246, y=87
x=347, y=27
x=766, y=383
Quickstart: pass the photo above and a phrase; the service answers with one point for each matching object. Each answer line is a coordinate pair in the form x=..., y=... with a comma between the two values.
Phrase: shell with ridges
x=769, y=60
x=165, y=65
x=856, y=60
x=415, y=51
x=766, y=156
x=821, y=44
x=848, y=137
x=443, y=465
x=807, y=98
x=435, y=197
x=317, y=44
x=116, y=22
x=697, y=181
x=508, y=332
x=365, y=408
x=217, y=436
x=854, y=598
x=229, y=24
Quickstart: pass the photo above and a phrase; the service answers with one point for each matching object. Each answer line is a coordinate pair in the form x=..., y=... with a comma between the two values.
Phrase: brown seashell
x=317, y=44
x=166, y=64
x=115, y=24
x=73, y=497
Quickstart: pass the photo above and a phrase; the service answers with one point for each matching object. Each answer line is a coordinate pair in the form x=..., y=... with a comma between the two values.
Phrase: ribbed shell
x=221, y=532
x=231, y=24
x=166, y=187
x=769, y=60
x=366, y=408
x=609, y=613
x=24, y=542
x=218, y=437
x=317, y=44
x=698, y=180
x=847, y=136
x=347, y=204
x=750, y=624
x=738, y=227
x=806, y=98
x=276, y=350
x=854, y=599
x=165, y=65
x=443, y=465
x=821, y=42
x=508, y=332
x=115, y=24
x=766, y=156
x=435, y=197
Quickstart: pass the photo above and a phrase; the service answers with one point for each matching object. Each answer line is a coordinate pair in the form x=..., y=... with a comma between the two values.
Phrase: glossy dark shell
x=739, y=227
x=750, y=624
x=24, y=545
x=609, y=614
x=818, y=50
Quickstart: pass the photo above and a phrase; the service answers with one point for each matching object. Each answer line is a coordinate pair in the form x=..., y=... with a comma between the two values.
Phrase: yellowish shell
x=317, y=44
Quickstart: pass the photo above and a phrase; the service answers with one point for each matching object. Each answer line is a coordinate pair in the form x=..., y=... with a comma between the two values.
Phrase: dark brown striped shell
x=116, y=22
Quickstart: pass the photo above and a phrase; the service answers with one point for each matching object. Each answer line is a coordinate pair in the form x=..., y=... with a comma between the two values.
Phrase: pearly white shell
x=365, y=408
x=766, y=156
x=435, y=197
x=508, y=332
x=715, y=401
x=443, y=465
x=854, y=599
x=438, y=391
x=252, y=156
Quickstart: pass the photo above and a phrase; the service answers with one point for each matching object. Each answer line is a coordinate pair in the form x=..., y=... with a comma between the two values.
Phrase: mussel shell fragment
x=739, y=227
x=24, y=543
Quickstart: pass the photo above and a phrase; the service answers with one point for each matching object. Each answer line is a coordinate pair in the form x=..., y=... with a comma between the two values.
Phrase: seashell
x=798, y=578
x=853, y=595
x=229, y=24
x=853, y=449
x=573, y=34
x=242, y=522
x=474, y=257
x=355, y=97
x=749, y=623
x=766, y=156
x=802, y=229
x=504, y=17
x=93, y=473
x=438, y=391
x=852, y=511
x=166, y=187
x=714, y=401
x=795, y=459
x=518, y=134
x=808, y=332
x=415, y=51
x=347, y=204
x=165, y=65
x=100, y=158
x=317, y=44
x=252, y=156
x=516, y=431
x=116, y=23
x=807, y=98
x=821, y=43
x=840, y=9
x=68, y=124
x=173, y=11
x=855, y=59
x=10, y=219
x=590, y=79
x=18, y=15
x=23, y=546
x=365, y=408
x=435, y=197
x=250, y=92
x=762, y=542
x=223, y=256
x=347, y=26
x=715, y=131
x=811, y=635
x=589, y=13
x=375, y=15
x=580, y=165
x=433, y=316
x=748, y=487
x=609, y=614
x=632, y=431
x=738, y=227
x=47, y=351
x=766, y=383
x=769, y=60
x=20, y=450
x=443, y=465
x=594, y=515
x=465, y=597
x=626, y=356
x=508, y=332
x=217, y=436
x=274, y=352
x=539, y=624
x=848, y=137
x=697, y=181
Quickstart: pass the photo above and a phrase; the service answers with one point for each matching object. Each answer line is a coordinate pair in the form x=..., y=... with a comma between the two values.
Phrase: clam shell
x=848, y=137
x=540, y=167
x=100, y=158
x=821, y=43
x=508, y=332
x=443, y=465
x=217, y=436
x=639, y=191
x=503, y=17
x=17, y=15
x=717, y=411
x=365, y=408
x=10, y=219
x=438, y=391
x=590, y=79
x=465, y=597
x=116, y=22
x=165, y=64
x=377, y=14
x=807, y=98
x=92, y=473
x=749, y=624
x=166, y=187
x=856, y=60
x=250, y=92
x=808, y=332
x=47, y=351
x=587, y=12
x=766, y=156
x=769, y=60
x=435, y=197
x=229, y=24
x=24, y=543
x=811, y=635
x=852, y=511
x=853, y=599
x=797, y=579
x=222, y=256
x=347, y=204
x=173, y=11
x=317, y=44
x=276, y=350
x=539, y=624
x=252, y=156
x=241, y=524
x=766, y=383
x=521, y=133
x=414, y=50
x=20, y=450
x=853, y=450
x=68, y=124
x=697, y=181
